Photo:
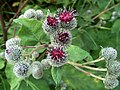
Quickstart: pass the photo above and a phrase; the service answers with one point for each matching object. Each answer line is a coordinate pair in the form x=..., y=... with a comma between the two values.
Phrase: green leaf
x=33, y=84
x=116, y=26
x=106, y=16
x=31, y=31
x=102, y=3
x=12, y=79
x=77, y=80
x=2, y=63
x=56, y=73
x=83, y=39
x=65, y=2
x=77, y=54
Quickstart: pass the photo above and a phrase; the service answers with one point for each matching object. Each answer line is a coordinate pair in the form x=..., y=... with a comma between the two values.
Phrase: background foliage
x=89, y=35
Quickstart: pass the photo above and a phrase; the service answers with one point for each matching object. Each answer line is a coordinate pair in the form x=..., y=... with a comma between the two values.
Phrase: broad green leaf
x=2, y=63
x=12, y=79
x=102, y=3
x=83, y=39
x=34, y=84
x=116, y=26
x=65, y=2
x=105, y=16
x=5, y=85
x=77, y=54
x=117, y=8
x=77, y=80
x=56, y=73
x=31, y=31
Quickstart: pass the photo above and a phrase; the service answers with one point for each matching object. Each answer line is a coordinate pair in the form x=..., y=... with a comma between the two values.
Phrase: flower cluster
x=58, y=28
x=23, y=67
x=113, y=67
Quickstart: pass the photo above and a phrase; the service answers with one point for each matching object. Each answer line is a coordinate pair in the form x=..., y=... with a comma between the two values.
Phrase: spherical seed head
x=57, y=55
x=50, y=25
x=13, y=41
x=13, y=54
x=114, y=68
x=67, y=18
x=22, y=69
x=30, y=13
x=37, y=70
x=63, y=38
x=110, y=82
x=40, y=14
x=45, y=64
x=109, y=53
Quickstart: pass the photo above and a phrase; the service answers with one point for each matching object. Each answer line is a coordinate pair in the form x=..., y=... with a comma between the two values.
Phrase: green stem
x=3, y=83
x=90, y=74
x=94, y=61
x=33, y=86
x=38, y=47
x=108, y=4
x=84, y=66
x=104, y=11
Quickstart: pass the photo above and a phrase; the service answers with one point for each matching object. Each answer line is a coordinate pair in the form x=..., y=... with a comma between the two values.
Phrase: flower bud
x=114, y=68
x=114, y=13
x=45, y=64
x=110, y=82
x=62, y=37
x=13, y=54
x=40, y=14
x=21, y=16
x=13, y=41
x=35, y=54
x=22, y=69
x=30, y=13
x=37, y=71
x=89, y=12
x=109, y=53
x=51, y=25
x=67, y=18
x=57, y=55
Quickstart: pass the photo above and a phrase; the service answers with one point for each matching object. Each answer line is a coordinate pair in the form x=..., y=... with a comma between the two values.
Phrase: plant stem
x=38, y=47
x=3, y=29
x=88, y=73
x=16, y=14
x=29, y=46
x=41, y=55
x=94, y=61
x=104, y=11
x=84, y=66
x=3, y=82
x=32, y=85
x=108, y=4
